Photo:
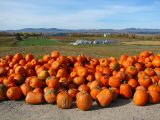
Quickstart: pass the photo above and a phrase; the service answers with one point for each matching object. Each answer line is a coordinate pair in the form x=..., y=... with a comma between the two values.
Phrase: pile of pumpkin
x=57, y=79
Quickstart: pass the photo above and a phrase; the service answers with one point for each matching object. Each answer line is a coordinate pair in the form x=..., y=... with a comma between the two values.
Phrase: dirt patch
x=120, y=110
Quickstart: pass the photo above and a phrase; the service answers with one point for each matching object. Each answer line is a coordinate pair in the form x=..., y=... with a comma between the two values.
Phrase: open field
x=92, y=50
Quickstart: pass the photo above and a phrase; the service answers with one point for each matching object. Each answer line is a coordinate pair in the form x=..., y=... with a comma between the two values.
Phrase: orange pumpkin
x=114, y=81
x=83, y=101
x=79, y=80
x=84, y=87
x=95, y=91
x=145, y=81
x=140, y=98
x=35, y=82
x=154, y=97
x=25, y=88
x=14, y=93
x=104, y=98
x=125, y=91
x=34, y=98
x=52, y=82
x=64, y=100
x=50, y=95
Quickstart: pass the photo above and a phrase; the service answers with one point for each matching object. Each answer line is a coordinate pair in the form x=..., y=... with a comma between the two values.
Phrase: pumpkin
x=104, y=62
x=25, y=88
x=141, y=88
x=114, y=65
x=35, y=82
x=34, y=98
x=115, y=92
x=79, y=80
x=104, y=80
x=19, y=79
x=14, y=93
x=133, y=83
x=154, y=97
x=2, y=71
x=43, y=75
x=156, y=62
x=94, y=84
x=50, y=95
x=132, y=70
x=104, y=98
x=84, y=87
x=83, y=101
x=29, y=57
x=145, y=81
x=64, y=100
x=73, y=92
x=125, y=91
x=150, y=72
x=114, y=81
x=140, y=98
x=82, y=71
x=3, y=91
x=38, y=90
x=52, y=82
x=154, y=87
x=95, y=91
x=90, y=77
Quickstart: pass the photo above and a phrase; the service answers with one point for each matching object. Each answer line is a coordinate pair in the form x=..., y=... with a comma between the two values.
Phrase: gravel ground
x=120, y=110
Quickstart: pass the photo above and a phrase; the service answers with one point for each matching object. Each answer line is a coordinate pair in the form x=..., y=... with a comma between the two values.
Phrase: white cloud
x=27, y=16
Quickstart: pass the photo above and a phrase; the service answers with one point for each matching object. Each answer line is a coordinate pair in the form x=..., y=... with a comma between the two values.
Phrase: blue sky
x=79, y=14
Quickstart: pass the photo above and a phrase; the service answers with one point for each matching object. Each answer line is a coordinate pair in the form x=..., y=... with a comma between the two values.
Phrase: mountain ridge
x=56, y=30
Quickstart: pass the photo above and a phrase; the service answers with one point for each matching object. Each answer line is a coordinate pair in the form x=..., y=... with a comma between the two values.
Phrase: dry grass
x=142, y=43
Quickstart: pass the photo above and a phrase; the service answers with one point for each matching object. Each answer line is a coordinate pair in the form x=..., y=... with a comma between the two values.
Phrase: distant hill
x=55, y=30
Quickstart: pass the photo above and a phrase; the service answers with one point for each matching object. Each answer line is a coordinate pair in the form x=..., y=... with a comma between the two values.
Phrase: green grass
x=37, y=42
x=89, y=50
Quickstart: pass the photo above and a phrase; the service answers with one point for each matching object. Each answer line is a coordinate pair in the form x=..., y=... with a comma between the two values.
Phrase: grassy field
x=95, y=51
x=41, y=46
x=37, y=42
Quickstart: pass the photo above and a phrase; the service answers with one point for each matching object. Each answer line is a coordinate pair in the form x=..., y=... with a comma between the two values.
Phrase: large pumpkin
x=50, y=95
x=34, y=98
x=104, y=98
x=64, y=100
x=125, y=91
x=140, y=98
x=83, y=101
